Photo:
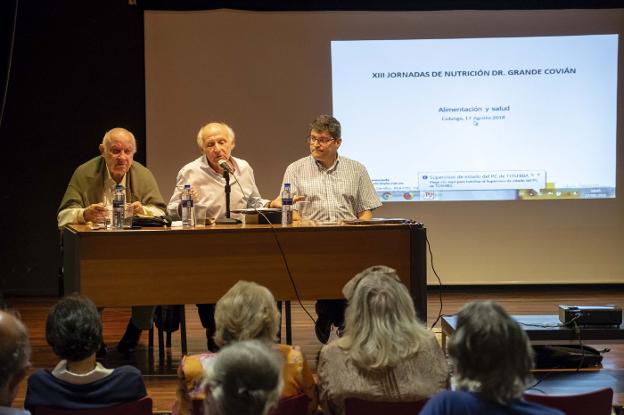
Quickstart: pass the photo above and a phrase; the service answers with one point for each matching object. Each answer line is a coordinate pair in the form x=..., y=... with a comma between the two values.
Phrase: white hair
x=245, y=379
x=214, y=128
x=114, y=131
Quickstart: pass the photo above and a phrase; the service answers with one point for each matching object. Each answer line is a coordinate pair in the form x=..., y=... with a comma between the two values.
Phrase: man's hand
x=277, y=202
x=365, y=215
x=195, y=195
x=137, y=208
x=96, y=213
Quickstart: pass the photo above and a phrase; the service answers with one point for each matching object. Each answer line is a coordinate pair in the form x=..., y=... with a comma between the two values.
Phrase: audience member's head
x=381, y=327
x=491, y=352
x=74, y=328
x=14, y=356
x=245, y=379
x=247, y=311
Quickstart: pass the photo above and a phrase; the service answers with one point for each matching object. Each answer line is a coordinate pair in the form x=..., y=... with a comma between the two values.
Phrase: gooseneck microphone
x=224, y=165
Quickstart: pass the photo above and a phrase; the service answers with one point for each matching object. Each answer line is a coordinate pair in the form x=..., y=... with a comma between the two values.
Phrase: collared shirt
x=210, y=186
x=340, y=192
x=76, y=214
x=61, y=372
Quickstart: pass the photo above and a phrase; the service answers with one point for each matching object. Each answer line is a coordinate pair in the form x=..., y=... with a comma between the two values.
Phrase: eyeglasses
x=321, y=140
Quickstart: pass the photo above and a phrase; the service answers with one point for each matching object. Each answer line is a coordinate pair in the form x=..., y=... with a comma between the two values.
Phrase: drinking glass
x=304, y=208
x=128, y=214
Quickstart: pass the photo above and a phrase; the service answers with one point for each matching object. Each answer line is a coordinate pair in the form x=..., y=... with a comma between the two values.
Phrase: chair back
x=354, y=406
x=598, y=402
x=197, y=407
x=141, y=407
x=293, y=405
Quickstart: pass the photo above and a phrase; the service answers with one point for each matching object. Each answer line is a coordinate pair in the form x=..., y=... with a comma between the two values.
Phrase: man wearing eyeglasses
x=334, y=188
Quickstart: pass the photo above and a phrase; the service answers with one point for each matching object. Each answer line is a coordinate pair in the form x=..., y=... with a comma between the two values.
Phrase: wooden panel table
x=187, y=266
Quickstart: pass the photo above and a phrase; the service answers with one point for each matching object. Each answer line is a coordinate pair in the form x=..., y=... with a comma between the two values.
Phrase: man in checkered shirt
x=334, y=188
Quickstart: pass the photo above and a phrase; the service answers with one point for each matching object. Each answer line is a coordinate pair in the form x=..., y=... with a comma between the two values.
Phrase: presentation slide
x=500, y=118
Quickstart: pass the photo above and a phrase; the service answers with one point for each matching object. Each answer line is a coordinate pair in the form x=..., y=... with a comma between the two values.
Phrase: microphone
x=224, y=165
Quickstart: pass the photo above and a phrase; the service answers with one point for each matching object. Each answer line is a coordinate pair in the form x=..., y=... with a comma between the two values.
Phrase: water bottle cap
x=118, y=187
x=187, y=186
x=286, y=185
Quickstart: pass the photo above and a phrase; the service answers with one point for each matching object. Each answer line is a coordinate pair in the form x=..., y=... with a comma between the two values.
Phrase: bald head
x=118, y=148
x=118, y=133
x=14, y=356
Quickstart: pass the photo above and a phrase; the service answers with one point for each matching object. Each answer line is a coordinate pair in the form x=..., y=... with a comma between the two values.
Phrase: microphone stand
x=227, y=220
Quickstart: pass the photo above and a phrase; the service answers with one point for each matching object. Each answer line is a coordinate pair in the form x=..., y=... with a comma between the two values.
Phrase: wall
x=77, y=71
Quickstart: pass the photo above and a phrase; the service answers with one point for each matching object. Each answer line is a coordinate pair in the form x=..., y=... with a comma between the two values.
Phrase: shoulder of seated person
x=333, y=348
x=128, y=369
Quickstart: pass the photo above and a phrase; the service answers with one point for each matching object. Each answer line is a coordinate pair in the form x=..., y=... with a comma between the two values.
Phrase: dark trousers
x=333, y=310
x=206, y=315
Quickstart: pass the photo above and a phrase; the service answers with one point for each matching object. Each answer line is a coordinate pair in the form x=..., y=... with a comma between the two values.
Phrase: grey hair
x=14, y=347
x=245, y=379
x=491, y=353
x=246, y=311
x=211, y=128
x=327, y=123
x=381, y=327
x=109, y=134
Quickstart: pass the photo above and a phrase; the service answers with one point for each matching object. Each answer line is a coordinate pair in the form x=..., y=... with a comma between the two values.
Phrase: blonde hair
x=381, y=328
x=246, y=312
x=114, y=131
x=214, y=128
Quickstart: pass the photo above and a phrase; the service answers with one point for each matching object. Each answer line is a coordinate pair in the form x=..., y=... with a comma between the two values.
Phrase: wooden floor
x=160, y=377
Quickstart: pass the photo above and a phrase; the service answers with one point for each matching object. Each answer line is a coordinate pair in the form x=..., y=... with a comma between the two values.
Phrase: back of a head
x=381, y=327
x=14, y=350
x=246, y=312
x=74, y=328
x=245, y=379
x=491, y=352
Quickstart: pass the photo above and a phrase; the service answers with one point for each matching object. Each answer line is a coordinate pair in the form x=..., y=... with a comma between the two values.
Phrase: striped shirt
x=340, y=192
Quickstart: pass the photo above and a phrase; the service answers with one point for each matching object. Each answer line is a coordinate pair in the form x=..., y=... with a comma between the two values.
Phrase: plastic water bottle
x=119, y=203
x=286, y=205
x=187, y=207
